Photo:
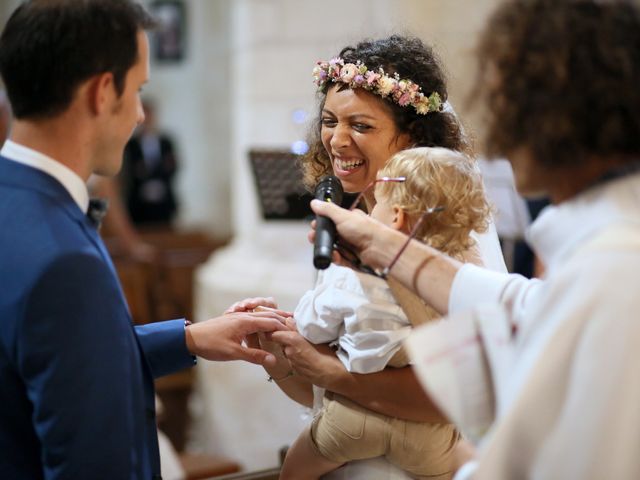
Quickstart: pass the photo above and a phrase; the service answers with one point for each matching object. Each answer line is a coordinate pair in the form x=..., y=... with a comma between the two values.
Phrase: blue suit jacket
x=76, y=377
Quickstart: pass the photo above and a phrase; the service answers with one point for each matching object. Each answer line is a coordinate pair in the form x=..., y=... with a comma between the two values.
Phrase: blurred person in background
x=149, y=169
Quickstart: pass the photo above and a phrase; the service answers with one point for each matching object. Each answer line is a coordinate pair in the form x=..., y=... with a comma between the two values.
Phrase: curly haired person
x=358, y=128
x=437, y=195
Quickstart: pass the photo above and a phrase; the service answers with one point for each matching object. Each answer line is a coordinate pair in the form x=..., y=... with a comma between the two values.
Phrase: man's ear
x=399, y=218
x=101, y=92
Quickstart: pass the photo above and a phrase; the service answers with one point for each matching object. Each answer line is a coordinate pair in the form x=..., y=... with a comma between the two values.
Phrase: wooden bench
x=204, y=466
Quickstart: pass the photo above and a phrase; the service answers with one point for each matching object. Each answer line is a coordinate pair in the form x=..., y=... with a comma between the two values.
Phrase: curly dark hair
x=562, y=79
x=413, y=60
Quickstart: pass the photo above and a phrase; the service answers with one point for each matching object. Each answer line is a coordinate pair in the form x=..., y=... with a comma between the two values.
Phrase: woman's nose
x=341, y=137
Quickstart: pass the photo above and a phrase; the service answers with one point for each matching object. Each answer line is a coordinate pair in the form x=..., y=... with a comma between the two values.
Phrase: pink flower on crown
x=320, y=74
x=348, y=72
x=333, y=68
x=404, y=99
x=371, y=77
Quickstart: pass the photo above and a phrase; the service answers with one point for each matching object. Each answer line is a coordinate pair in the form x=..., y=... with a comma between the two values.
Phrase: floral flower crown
x=356, y=75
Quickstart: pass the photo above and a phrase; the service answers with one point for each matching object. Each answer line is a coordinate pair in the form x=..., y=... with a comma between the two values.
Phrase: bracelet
x=291, y=373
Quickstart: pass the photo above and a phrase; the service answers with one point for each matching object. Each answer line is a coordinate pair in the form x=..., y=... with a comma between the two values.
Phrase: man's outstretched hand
x=222, y=338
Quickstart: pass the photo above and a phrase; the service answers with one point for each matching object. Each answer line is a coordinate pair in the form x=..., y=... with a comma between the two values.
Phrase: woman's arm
x=392, y=392
x=294, y=386
x=297, y=388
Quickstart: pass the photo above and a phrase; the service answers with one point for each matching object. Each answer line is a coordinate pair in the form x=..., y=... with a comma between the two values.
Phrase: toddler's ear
x=399, y=219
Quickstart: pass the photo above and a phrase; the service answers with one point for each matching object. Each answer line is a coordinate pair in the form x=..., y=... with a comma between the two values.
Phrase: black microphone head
x=329, y=189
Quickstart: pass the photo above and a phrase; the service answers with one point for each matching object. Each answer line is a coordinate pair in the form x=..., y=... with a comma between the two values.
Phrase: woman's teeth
x=348, y=164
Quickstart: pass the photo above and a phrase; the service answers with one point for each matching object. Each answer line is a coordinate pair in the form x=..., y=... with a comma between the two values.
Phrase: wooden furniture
x=202, y=467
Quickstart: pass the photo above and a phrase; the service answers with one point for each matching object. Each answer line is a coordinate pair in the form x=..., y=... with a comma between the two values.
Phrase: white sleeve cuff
x=475, y=285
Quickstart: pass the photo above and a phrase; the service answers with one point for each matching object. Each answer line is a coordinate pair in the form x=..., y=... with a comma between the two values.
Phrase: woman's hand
x=296, y=387
x=251, y=304
x=316, y=363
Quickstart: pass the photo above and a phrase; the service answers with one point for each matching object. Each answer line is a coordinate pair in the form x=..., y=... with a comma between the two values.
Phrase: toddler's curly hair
x=438, y=177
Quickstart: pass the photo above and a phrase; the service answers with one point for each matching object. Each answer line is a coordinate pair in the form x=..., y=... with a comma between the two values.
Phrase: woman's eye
x=361, y=127
x=329, y=122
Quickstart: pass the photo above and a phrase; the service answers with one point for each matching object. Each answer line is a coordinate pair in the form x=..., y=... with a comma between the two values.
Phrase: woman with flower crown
x=376, y=99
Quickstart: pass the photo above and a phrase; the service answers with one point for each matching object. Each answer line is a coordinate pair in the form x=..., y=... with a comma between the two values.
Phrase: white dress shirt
x=70, y=180
x=572, y=406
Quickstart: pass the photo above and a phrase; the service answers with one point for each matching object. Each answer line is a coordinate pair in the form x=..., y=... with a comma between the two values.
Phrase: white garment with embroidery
x=359, y=311
x=572, y=402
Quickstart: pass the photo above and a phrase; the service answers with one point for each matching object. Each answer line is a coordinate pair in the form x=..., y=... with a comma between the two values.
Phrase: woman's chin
x=350, y=187
x=351, y=183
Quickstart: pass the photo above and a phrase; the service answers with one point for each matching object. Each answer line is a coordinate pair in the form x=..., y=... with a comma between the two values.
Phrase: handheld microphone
x=328, y=190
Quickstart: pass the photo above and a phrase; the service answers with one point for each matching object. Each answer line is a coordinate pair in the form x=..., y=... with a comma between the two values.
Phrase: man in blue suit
x=76, y=377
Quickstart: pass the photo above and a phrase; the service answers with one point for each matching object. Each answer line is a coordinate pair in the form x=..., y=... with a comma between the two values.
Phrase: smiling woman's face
x=360, y=135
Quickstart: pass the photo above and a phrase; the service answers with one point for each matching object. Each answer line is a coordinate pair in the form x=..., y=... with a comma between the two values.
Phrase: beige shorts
x=345, y=431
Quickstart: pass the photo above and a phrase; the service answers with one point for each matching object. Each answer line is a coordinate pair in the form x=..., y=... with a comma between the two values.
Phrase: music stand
x=278, y=180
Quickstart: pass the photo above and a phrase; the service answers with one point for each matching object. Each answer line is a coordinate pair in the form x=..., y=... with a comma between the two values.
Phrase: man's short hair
x=49, y=47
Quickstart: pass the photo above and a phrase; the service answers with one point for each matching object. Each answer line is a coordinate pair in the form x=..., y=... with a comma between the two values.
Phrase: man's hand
x=222, y=338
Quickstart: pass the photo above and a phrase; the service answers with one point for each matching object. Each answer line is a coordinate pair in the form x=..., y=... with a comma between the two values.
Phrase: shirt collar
x=560, y=229
x=70, y=180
